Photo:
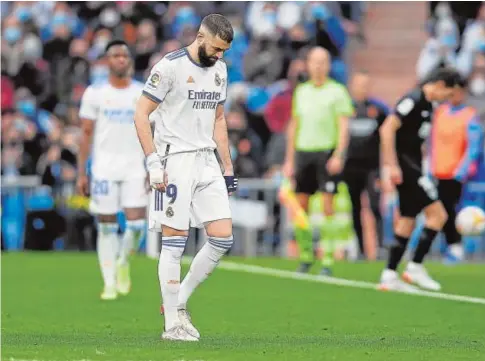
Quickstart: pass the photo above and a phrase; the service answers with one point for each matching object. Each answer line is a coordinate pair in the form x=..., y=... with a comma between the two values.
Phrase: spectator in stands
x=477, y=86
x=461, y=11
x=34, y=72
x=473, y=43
x=277, y=114
x=245, y=145
x=12, y=45
x=146, y=45
x=234, y=57
x=330, y=34
x=438, y=52
x=263, y=63
x=73, y=70
x=8, y=91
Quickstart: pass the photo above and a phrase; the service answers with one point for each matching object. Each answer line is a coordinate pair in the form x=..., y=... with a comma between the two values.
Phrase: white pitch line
x=241, y=267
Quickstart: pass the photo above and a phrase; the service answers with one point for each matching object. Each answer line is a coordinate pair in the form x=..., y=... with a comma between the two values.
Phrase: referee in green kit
x=317, y=138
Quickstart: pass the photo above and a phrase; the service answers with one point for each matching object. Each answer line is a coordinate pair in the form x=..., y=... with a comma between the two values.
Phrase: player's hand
x=335, y=165
x=395, y=174
x=158, y=177
x=82, y=185
x=289, y=169
x=231, y=182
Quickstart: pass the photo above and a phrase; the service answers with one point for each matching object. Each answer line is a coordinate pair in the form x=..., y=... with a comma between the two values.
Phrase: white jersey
x=116, y=151
x=188, y=96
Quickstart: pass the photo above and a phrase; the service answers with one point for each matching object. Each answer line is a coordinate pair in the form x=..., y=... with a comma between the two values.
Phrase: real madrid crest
x=217, y=79
x=169, y=212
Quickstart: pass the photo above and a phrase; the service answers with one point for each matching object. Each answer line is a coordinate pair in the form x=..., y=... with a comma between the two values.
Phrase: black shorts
x=311, y=173
x=416, y=191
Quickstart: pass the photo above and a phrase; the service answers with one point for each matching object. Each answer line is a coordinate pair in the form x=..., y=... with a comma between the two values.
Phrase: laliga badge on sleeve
x=154, y=80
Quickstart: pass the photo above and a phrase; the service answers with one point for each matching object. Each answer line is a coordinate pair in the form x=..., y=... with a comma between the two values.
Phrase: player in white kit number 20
x=184, y=94
x=118, y=173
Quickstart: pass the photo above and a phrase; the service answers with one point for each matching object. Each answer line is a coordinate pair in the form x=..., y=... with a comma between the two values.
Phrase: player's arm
x=222, y=140
x=157, y=86
x=144, y=107
x=344, y=110
x=88, y=112
x=472, y=152
x=390, y=171
x=388, y=132
x=290, y=139
x=388, y=140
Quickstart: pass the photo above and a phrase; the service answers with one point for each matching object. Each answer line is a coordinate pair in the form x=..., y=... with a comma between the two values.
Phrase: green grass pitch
x=51, y=311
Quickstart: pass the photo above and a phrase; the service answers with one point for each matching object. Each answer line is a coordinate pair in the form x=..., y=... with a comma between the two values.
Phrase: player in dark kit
x=402, y=137
x=361, y=170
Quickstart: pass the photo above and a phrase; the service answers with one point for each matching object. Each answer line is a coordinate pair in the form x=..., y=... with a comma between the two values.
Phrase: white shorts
x=110, y=197
x=196, y=193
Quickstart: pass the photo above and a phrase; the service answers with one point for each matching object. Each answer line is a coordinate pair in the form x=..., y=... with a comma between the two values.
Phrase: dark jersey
x=364, y=131
x=415, y=113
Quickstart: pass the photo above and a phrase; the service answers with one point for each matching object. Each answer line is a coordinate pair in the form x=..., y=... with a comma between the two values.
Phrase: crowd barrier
x=261, y=226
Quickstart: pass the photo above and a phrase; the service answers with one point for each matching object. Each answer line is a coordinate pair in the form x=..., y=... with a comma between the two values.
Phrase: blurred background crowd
x=51, y=51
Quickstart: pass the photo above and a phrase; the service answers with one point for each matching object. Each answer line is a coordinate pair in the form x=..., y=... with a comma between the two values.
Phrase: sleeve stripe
x=151, y=97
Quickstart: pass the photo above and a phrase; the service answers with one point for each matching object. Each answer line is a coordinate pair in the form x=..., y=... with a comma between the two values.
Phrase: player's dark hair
x=115, y=42
x=218, y=25
x=449, y=76
x=463, y=82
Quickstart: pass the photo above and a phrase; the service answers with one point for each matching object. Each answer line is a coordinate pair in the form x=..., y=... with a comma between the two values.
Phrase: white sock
x=202, y=266
x=107, y=249
x=457, y=251
x=133, y=233
x=169, y=277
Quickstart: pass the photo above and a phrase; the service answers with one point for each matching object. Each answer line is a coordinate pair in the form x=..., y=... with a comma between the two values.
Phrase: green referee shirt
x=317, y=110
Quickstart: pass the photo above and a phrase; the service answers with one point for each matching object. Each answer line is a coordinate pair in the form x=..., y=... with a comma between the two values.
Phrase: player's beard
x=205, y=60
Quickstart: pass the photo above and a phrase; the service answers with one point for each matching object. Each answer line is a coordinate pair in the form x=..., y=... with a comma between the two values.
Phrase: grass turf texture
x=51, y=311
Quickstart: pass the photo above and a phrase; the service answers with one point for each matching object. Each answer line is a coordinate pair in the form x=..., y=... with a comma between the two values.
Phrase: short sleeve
x=404, y=107
x=160, y=81
x=89, y=107
x=343, y=103
x=223, y=86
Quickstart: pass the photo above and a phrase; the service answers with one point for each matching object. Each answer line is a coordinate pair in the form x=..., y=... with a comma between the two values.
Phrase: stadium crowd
x=51, y=51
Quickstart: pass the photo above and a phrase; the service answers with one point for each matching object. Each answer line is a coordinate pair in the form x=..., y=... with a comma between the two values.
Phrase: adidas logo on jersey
x=190, y=80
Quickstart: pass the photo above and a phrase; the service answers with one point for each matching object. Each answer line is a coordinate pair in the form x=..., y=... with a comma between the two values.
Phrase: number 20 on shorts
x=170, y=192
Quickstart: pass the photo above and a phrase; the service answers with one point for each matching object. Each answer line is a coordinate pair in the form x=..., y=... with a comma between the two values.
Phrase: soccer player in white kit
x=118, y=172
x=184, y=94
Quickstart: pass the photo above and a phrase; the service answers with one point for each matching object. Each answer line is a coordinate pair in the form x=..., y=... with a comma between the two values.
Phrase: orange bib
x=449, y=139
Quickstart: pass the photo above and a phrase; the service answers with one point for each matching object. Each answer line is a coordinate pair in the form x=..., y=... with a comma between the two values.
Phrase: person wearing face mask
x=73, y=70
x=12, y=38
x=34, y=72
x=23, y=12
x=56, y=49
